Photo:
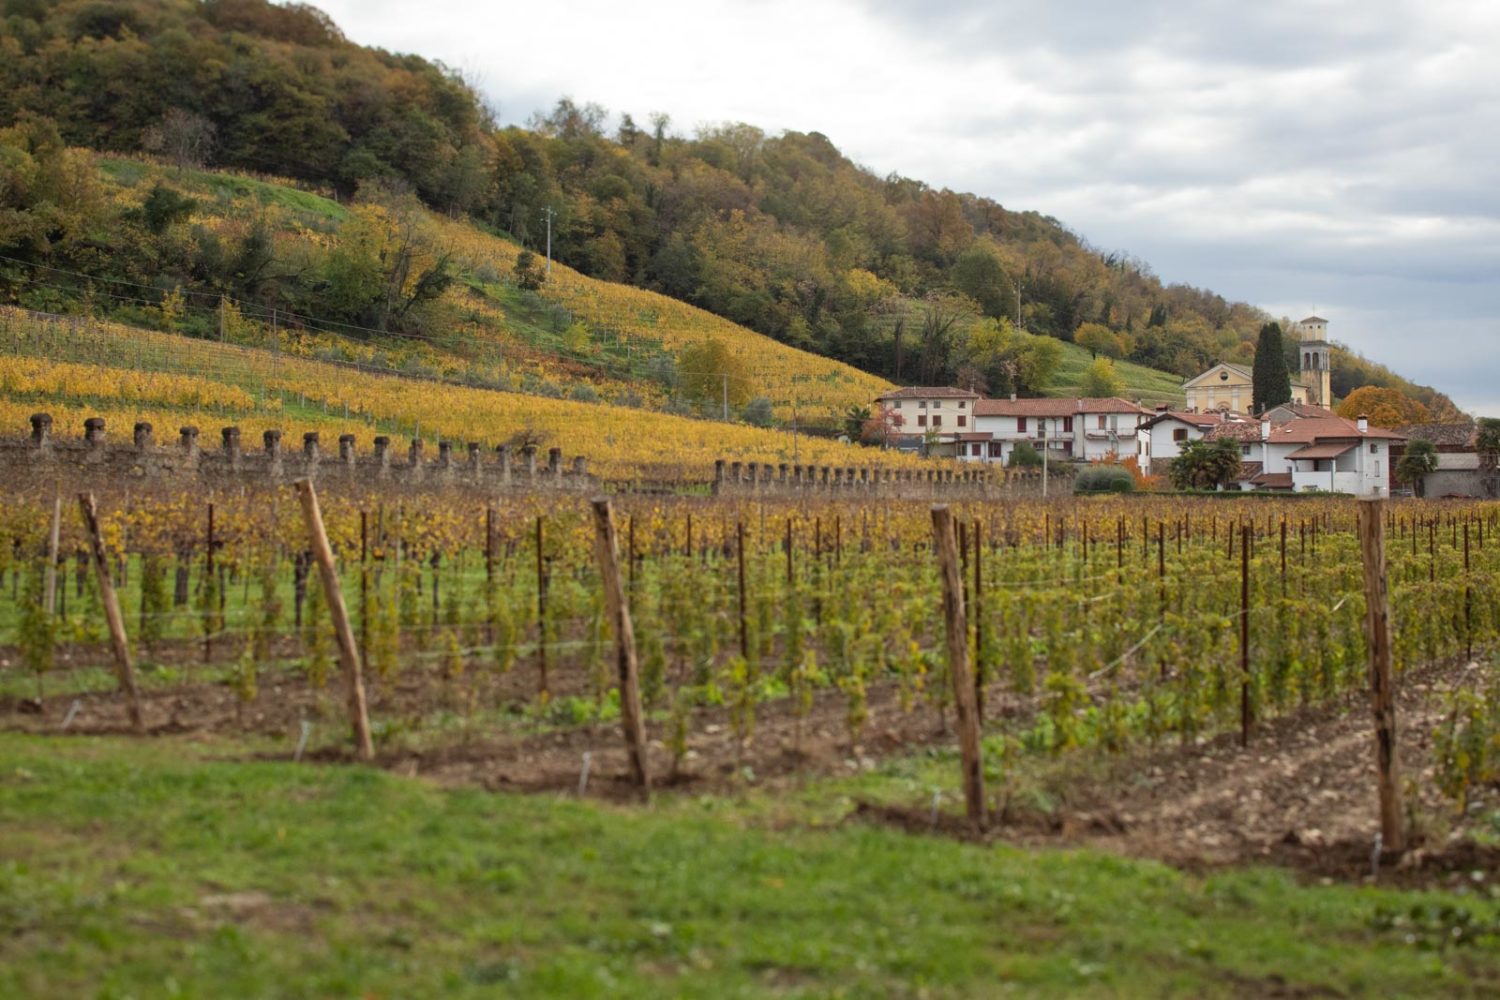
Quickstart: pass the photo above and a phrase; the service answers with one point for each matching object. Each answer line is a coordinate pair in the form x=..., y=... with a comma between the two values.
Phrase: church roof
x=1313, y=319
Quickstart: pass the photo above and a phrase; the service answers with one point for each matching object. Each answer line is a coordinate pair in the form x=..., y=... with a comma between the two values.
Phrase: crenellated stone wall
x=44, y=457
x=781, y=480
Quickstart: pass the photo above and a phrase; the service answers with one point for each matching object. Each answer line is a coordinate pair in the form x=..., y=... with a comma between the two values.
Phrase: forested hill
x=782, y=234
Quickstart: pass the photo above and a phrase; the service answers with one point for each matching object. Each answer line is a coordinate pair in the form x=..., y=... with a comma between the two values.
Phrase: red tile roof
x=1204, y=420
x=1273, y=481
x=1056, y=407
x=929, y=392
x=1332, y=449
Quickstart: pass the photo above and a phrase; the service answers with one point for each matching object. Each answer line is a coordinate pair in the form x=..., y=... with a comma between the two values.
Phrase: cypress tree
x=1271, y=384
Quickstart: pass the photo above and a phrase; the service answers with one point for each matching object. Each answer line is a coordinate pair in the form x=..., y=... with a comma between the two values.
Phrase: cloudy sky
x=1337, y=156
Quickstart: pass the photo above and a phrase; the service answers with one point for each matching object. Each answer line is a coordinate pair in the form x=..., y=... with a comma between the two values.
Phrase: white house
x=1313, y=453
x=1163, y=435
x=927, y=414
x=1086, y=429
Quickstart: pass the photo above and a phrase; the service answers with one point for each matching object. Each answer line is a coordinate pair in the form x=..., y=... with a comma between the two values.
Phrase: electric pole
x=547, y=213
x=1044, y=457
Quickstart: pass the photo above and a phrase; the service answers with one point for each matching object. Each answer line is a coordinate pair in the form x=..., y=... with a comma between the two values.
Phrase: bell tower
x=1314, y=366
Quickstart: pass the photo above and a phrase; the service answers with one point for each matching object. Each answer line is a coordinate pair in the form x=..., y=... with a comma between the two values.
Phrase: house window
x=974, y=448
x=936, y=403
x=962, y=420
x=1067, y=425
x=921, y=420
x=898, y=404
x=960, y=404
x=1374, y=448
x=1021, y=425
x=922, y=405
x=937, y=420
x=1180, y=434
x=1244, y=449
x=995, y=450
x=1103, y=423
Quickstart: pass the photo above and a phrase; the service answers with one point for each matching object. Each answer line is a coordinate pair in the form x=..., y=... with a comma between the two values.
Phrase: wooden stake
x=1382, y=696
x=354, y=682
x=124, y=669
x=979, y=664
x=946, y=544
x=1246, y=718
x=541, y=608
x=606, y=550
x=739, y=550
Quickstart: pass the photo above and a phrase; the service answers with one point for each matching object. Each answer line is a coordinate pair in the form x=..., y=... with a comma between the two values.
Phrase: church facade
x=1229, y=388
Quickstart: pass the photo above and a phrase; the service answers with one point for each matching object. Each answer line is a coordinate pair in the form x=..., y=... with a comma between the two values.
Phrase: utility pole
x=548, y=213
x=1044, y=456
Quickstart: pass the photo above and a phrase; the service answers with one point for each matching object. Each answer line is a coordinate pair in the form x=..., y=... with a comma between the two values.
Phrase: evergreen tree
x=1271, y=383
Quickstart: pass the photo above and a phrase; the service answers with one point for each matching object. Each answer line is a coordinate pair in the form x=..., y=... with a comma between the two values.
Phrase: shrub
x=1024, y=456
x=1104, y=479
x=757, y=412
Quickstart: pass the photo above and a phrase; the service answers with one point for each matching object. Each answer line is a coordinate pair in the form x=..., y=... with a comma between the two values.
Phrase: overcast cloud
x=1322, y=155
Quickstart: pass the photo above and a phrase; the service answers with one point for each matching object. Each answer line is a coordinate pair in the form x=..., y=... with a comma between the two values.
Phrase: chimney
x=1364, y=423
x=1265, y=429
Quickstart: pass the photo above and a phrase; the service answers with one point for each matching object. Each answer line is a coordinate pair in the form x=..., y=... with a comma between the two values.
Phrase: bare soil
x=1301, y=795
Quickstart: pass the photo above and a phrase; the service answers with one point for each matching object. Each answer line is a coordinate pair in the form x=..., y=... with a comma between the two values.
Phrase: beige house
x=1229, y=389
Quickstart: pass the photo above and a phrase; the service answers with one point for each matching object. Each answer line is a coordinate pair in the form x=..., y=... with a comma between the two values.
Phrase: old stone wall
x=783, y=480
x=43, y=458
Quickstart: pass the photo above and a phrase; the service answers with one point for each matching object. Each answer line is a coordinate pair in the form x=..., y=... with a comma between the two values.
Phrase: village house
x=1306, y=454
x=1069, y=429
x=927, y=419
x=1163, y=435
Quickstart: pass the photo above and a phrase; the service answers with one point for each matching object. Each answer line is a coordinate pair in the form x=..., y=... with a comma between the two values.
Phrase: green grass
x=150, y=869
x=1148, y=385
x=229, y=189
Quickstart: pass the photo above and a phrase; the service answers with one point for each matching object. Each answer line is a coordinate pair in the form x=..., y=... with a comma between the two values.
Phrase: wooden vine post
x=946, y=543
x=124, y=669
x=1247, y=718
x=354, y=682
x=739, y=551
x=632, y=719
x=1382, y=695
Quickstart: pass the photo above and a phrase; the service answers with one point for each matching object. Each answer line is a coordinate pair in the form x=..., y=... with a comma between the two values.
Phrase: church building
x=1229, y=388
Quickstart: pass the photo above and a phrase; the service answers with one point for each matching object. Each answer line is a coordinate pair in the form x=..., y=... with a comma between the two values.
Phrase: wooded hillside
x=783, y=234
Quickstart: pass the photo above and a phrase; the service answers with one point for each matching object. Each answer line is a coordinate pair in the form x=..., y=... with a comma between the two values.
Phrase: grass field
x=162, y=870
x=1148, y=385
